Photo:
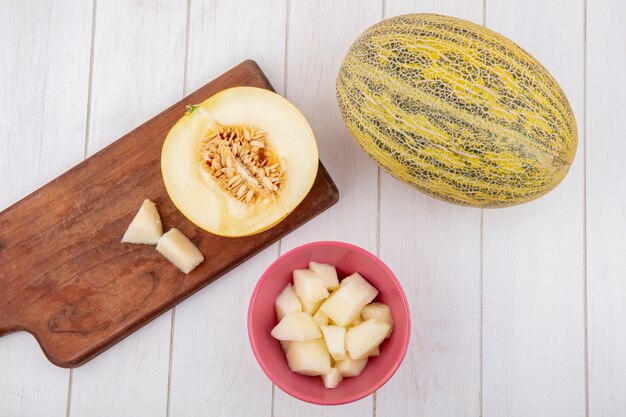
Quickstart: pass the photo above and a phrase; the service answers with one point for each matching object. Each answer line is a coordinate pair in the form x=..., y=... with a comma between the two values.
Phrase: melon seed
x=241, y=161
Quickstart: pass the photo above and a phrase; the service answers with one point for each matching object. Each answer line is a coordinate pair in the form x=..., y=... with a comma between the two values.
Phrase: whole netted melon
x=456, y=111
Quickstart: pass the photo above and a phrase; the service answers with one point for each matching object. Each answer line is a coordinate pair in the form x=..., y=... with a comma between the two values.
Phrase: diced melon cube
x=375, y=352
x=146, y=226
x=309, y=286
x=378, y=311
x=179, y=250
x=332, y=378
x=309, y=357
x=320, y=318
x=361, y=340
x=345, y=304
x=328, y=273
x=285, y=345
x=287, y=302
x=335, y=338
x=298, y=327
x=311, y=307
x=351, y=367
x=356, y=322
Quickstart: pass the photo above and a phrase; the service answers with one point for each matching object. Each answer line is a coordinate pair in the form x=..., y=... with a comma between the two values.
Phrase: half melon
x=239, y=162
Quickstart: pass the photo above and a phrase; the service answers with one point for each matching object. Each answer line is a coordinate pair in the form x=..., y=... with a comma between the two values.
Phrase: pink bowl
x=262, y=318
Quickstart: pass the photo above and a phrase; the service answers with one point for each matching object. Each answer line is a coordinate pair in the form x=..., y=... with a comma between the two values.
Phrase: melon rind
x=457, y=111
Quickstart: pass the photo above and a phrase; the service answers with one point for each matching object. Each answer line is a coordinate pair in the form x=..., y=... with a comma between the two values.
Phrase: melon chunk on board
x=296, y=327
x=309, y=357
x=287, y=302
x=346, y=303
x=146, y=227
x=179, y=250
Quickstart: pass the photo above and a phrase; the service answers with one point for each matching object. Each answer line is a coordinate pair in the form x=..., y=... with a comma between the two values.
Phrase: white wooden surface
x=533, y=255
x=606, y=199
x=516, y=312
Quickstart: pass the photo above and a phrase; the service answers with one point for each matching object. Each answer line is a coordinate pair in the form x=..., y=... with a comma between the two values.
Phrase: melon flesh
x=332, y=378
x=378, y=311
x=287, y=302
x=311, y=307
x=363, y=339
x=208, y=198
x=146, y=227
x=328, y=273
x=326, y=331
x=351, y=367
x=285, y=345
x=296, y=327
x=309, y=357
x=309, y=286
x=179, y=250
x=345, y=304
x=335, y=338
x=356, y=322
x=320, y=318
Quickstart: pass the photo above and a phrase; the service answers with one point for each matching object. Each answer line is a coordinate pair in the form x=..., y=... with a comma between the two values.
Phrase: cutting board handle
x=6, y=328
x=7, y=321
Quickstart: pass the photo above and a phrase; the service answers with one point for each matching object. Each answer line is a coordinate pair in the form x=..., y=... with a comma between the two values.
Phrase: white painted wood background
x=516, y=312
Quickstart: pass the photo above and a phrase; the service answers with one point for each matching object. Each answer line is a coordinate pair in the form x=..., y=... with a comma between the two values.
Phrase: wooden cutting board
x=64, y=275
